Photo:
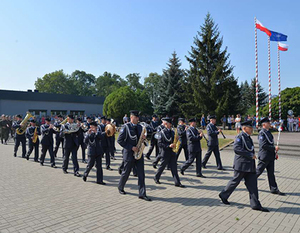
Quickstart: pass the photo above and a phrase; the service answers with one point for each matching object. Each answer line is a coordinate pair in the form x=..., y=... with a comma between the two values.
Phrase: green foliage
x=133, y=81
x=123, y=100
x=56, y=82
x=290, y=99
x=151, y=84
x=213, y=87
x=108, y=83
x=169, y=89
x=84, y=83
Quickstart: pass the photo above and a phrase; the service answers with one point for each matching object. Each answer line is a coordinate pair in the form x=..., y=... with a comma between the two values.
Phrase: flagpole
x=269, y=61
x=256, y=73
x=279, y=84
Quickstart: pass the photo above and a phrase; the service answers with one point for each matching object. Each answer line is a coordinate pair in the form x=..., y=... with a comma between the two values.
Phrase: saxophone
x=23, y=128
x=176, y=141
x=35, y=135
x=140, y=145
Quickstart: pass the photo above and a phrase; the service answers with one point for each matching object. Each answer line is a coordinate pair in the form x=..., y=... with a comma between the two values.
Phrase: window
x=38, y=112
x=57, y=112
x=77, y=113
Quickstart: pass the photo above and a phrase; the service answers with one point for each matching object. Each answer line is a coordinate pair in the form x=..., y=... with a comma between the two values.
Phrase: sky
x=139, y=36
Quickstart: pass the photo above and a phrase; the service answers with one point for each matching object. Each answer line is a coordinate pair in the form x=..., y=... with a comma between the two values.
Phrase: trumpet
x=57, y=129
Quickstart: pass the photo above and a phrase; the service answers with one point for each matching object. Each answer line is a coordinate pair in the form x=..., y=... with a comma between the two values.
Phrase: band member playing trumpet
x=111, y=140
x=32, y=133
x=165, y=142
x=105, y=143
x=81, y=143
x=47, y=142
x=70, y=145
x=58, y=139
x=128, y=139
x=19, y=138
x=194, y=147
x=94, y=151
x=181, y=130
x=213, y=143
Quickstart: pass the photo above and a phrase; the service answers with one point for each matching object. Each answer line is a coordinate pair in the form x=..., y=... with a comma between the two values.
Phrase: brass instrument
x=73, y=128
x=35, y=136
x=23, y=124
x=176, y=142
x=111, y=128
x=61, y=123
x=140, y=145
x=84, y=126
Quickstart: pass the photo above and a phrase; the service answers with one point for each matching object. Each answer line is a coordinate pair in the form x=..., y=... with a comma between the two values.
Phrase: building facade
x=45, y=104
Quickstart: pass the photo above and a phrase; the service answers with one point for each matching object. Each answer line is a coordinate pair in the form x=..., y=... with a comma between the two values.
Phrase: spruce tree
x=169, y=89
x=214, y=89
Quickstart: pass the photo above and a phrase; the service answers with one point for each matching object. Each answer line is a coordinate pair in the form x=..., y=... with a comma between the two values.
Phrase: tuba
x=73, y=128
x=176, y=141
x=22, y=130
x=140, y=145
x=111, y=128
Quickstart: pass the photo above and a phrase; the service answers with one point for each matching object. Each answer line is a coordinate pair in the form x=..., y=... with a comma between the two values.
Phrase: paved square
x=43, y=199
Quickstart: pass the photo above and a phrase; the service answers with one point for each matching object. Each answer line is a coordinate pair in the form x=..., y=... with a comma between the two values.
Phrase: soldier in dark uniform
x=267, y=154
x=181, y=130
x=111, y=141
x=168, y=156
x=81, y=143
x=244, y=168
x=105, y=143
x=153, y=124
x=19, y=138
x=47, y=142
x=58, y=139
x=4, y=124
x=159, y=129
x=94, y=151
x=128, y=139
x=194, y=147
x=213, y=143
x=70, y=145
x=88, y=122
x=31, y=145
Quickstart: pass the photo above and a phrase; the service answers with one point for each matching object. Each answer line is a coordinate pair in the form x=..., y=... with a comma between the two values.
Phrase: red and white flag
x=261, y=27
x=282, y=46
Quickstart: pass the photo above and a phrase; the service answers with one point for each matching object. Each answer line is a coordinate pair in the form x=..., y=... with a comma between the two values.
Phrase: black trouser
x=46, y=148
x=106, y=151
x=91, y=163
x=216, y=151
x=128, y=165
x=21, y=140
x=152, y=145
x=251, y=184
x=34, y=146
x=192, y=157
x=121, y=167
x=270, y=166
x=165, y=160
x=4, y=135
x=68, y=151
x=185, y=149
x=83, y=147
x=57, y=143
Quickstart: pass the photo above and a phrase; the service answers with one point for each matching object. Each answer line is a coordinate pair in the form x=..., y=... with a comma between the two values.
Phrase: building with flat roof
x=46, y=104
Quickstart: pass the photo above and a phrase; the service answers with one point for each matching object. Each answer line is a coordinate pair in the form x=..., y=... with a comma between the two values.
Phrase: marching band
x=97, y=136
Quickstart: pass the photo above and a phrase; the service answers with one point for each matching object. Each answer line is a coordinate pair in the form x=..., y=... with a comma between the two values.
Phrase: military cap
x=154, y=115
x=94, y=123
x=71, y=116
x=167, y=119
x=103, y=118
x=88, y=118
x=135, y=113
x=20, y=116
x=192, y=120
x=32, y=120
x=264, y=120
x=247, y=123
x=79, y=119
x=181, y=119
x=47, y=119
x=212, y=117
